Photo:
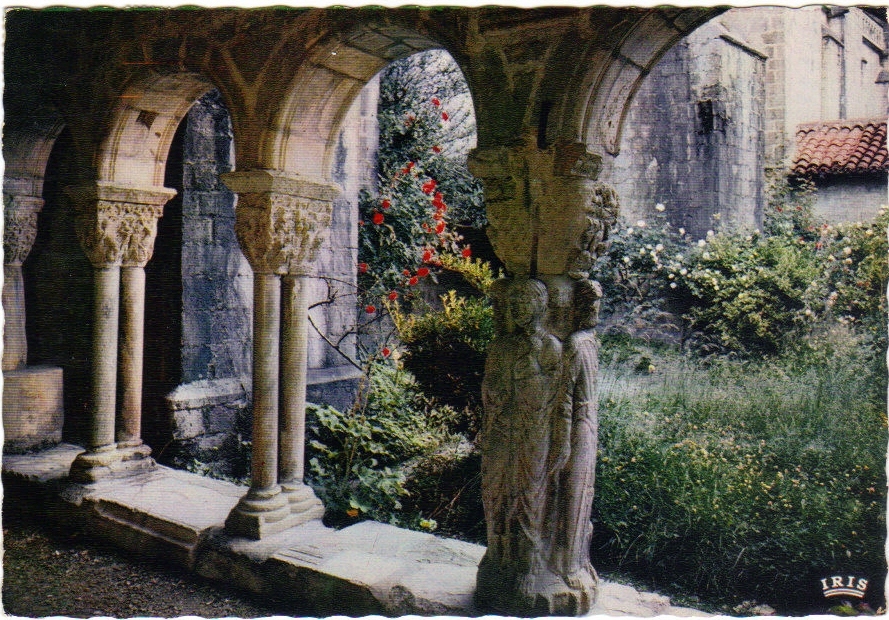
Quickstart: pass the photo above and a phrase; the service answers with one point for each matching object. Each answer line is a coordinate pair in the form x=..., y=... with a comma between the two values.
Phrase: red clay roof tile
x=841, y=147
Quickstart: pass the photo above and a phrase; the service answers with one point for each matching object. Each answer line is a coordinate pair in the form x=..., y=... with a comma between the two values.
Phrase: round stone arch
x=302, y=139
x=593, y=110
x=134, y=151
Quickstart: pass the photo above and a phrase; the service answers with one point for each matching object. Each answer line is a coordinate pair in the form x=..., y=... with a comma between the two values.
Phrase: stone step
x=365, y=569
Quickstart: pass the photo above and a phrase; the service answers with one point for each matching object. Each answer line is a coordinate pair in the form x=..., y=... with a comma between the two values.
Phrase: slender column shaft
x=15, y=343
x=105, y=325
x=266, y=364
x=129, y=430
x=294, y=362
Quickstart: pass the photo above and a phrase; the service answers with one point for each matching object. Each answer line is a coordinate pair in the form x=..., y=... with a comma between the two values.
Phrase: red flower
x=370, y=309
x=438, y=202
x=413, y=281
x=467, y=252
x=444, y=116
x=427, y=256
x=362, y=267
x=423, y=272
x=437, y=215
x=378, y=218
x=361, y=222
x=436, y=149
x=386, y=203
x=429, y=186
x=436, y=101
x=393, y=296
x=439, y=228
x=386, y=353
x=426, y=227
x=779, y=209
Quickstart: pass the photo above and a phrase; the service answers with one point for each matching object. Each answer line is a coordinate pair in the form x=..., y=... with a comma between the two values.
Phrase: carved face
x=527, y=304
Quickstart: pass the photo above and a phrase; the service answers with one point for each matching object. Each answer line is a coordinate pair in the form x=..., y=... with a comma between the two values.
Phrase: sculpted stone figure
x=579, y=436
x=521, y=394
x=539, y=454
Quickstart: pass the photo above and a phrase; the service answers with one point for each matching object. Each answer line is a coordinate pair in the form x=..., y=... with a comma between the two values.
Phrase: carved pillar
x=20, y=230
x=549, y=220
x=281, y=222
x=116, y=225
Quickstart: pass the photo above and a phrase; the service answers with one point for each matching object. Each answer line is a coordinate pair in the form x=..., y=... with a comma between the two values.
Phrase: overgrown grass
x=738, y=480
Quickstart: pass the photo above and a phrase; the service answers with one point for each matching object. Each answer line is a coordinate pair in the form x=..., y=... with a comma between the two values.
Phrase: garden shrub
x=355, y=456
x=445, y=350
x=444, y=491
x=749, y=292
x=745, y=293
x=745, y=480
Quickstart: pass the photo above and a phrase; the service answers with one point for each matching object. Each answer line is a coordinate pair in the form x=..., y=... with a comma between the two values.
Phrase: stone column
x=549, y=220
x=281, y=221
x=20, y=230
x=132, y=282
x=116, y=225
x=33, y=409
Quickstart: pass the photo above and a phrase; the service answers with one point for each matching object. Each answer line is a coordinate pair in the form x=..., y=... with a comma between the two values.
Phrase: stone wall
x=217, y=282
x=693, y=139
x=850, y=198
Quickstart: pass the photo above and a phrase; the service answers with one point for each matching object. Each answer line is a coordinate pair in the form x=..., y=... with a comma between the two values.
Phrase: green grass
x=737, y=480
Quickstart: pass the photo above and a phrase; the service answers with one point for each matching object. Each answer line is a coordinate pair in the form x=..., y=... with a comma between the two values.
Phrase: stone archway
x=284, y=213
x=116, y=224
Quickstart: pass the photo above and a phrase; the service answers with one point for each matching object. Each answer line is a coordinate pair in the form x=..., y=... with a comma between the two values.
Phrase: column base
x=503, y=590
x=111, y=462
x=263, y=513
x=259, y=514
x=304, y=504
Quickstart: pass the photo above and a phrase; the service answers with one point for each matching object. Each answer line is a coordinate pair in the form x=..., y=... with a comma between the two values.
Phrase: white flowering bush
x=742, y=291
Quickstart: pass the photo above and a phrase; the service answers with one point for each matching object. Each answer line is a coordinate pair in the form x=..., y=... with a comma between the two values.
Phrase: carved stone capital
x=117, y=225
x=20, y=226
x=542, y=205
x=281, y=220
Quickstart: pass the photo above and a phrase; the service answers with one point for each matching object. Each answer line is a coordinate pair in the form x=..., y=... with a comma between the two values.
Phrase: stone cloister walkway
x=368, y=568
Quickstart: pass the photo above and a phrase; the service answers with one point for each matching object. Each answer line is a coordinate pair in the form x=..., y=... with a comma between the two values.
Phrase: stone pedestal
x=33, y=411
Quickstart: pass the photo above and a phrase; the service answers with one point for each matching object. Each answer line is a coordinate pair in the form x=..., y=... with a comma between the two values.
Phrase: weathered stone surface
x=368, y=568
x=43, y=467
x=404, y=572
x=33, y=409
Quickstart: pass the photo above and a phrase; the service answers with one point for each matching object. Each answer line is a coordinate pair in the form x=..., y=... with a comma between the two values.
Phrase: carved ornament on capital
x=20, y=226
x=542, y=205
x=281, y=221
x=117, y=225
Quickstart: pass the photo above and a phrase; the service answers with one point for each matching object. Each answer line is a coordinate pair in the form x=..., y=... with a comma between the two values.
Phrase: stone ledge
x=208, y=392
x=368, y=568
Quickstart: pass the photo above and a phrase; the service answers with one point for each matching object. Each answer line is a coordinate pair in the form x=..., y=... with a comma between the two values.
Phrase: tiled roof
x=841, y=147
